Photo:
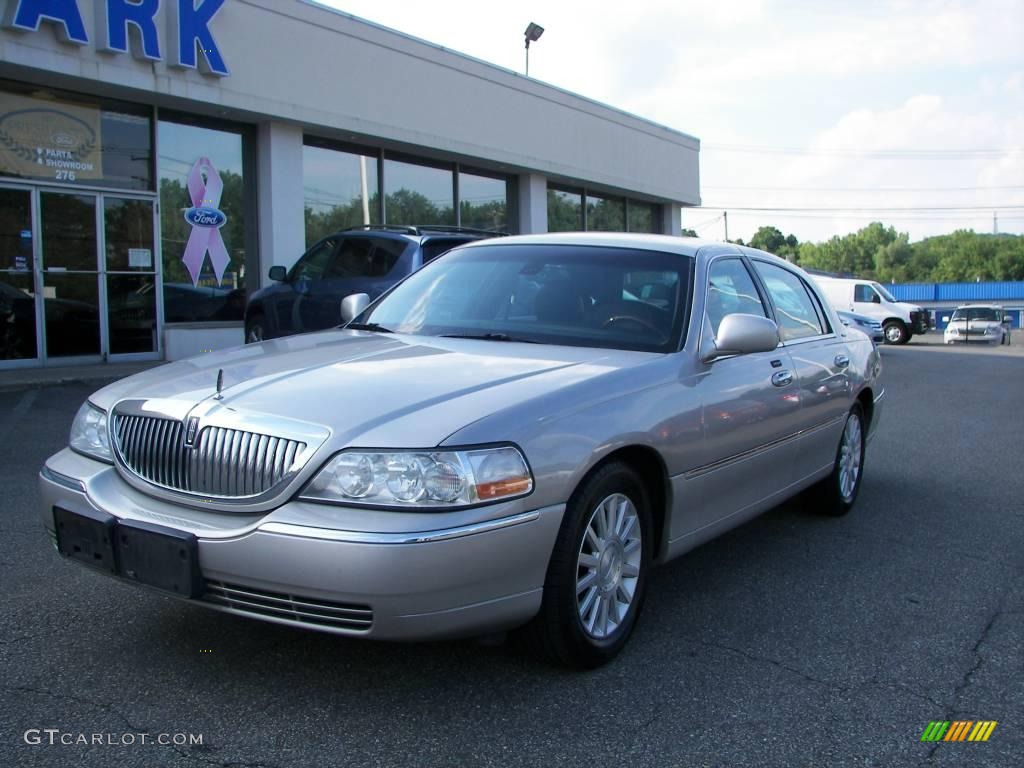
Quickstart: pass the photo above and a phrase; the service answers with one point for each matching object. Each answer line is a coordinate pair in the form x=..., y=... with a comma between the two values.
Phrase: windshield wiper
x=487, y=337
x=376, y=327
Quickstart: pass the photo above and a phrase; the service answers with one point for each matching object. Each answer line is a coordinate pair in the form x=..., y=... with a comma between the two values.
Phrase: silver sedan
x=510, y=438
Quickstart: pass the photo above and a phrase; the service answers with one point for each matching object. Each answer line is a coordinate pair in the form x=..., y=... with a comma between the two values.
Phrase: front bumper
x=975, y=337
x=447, y=577
x=920, y=322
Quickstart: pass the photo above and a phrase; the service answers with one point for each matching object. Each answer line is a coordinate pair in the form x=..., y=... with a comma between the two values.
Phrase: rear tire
x=597, y=577
x=836, y=494
x=896, y=332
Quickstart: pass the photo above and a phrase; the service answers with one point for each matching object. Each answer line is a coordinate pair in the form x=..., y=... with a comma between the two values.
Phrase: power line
x=863, y=189
x=889, y=154
x=925, y=208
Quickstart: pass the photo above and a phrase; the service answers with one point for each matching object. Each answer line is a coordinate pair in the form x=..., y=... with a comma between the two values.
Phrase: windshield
x=977, y=313
x=587, y=296
x=885, y=294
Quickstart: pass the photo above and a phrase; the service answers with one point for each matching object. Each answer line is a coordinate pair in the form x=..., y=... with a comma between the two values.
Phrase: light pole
x=533, y=33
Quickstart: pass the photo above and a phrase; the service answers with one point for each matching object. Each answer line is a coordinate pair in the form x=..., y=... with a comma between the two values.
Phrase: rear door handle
x=842, y=361
x=782, y=379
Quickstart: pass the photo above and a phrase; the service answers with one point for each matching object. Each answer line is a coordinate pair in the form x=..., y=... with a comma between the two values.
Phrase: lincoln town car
x=508, y=439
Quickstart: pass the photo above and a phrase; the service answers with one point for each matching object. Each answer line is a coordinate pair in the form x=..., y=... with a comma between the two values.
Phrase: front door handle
x=782, y=379
x=842, y=361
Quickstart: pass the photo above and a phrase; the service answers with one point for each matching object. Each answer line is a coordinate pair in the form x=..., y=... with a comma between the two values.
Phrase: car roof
x=684, y=246
x=415, y=233
x=979, y=306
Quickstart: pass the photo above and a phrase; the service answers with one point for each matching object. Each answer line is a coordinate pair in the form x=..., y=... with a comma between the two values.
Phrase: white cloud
x=910, y=74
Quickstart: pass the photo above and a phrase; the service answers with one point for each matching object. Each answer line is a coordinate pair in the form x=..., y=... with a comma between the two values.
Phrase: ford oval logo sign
x=205, y=217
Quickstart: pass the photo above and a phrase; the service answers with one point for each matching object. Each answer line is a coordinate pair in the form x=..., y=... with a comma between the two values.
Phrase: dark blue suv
x=366, y=259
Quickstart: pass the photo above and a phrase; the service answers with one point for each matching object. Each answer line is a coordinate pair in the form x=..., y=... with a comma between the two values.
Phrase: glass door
x=70, y=276
x=130, y=276
x=19, y=336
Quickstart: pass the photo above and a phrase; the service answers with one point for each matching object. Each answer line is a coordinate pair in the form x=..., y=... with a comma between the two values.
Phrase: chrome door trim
x=419, y=537
x=750, y=453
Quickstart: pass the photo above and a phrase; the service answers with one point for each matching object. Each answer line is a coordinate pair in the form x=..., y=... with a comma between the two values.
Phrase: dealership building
x=157, y=157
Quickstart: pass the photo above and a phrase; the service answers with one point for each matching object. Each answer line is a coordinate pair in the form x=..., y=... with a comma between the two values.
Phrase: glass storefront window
x=202, y=222
x=483, y=202
x=17, y=293
x=565, y=211
x=74, y=140
x=606, y=214
x=418, y=194
x=642, y=217
x=340, y=190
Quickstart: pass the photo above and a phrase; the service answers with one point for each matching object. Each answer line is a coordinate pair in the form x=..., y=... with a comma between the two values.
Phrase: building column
x=279, y=196
x=671, y=219
x=533, y=204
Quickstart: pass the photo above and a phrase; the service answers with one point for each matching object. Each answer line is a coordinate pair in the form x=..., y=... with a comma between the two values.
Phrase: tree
x=688, y=232
x=772, y=240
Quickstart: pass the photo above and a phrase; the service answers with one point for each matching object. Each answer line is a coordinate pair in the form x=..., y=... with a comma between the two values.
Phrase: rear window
x=435, y=247
x=365, y=257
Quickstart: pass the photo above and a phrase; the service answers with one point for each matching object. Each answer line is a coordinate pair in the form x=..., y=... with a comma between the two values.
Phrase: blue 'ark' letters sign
x=188, y=27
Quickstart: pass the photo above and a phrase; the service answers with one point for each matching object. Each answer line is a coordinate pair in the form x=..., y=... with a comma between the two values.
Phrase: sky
x=831, y=114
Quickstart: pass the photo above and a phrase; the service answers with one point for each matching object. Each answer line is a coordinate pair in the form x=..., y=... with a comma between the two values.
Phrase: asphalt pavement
x=791, y=641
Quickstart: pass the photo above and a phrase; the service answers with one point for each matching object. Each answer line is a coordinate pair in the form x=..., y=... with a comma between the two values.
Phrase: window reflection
x=340, y=190
x=606, y=214
x=483, y=202
x=418, y=194
x=205, y=298
x=565, y=211
x=642, y=217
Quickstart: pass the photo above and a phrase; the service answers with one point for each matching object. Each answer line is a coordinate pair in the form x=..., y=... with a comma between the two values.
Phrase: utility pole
x=995, y=223
x=725, y=218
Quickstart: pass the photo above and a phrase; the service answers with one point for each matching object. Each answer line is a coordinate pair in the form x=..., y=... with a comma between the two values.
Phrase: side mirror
x=1007, y=319
x=278, y=273
x=876, y=299
x=741, y=334
x=353, y=305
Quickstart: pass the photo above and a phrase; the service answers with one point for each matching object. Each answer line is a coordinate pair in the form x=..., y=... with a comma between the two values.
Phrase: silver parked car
x=510, y=437
x=863, y=323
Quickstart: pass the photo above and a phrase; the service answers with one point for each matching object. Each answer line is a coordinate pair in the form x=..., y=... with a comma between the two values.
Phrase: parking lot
x=791, y=641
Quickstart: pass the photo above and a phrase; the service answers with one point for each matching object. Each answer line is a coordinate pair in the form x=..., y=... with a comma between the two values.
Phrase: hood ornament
x=220, y=385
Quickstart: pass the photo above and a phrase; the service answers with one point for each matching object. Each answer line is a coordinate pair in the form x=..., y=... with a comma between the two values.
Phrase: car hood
x=909, y=307
x=377, y=390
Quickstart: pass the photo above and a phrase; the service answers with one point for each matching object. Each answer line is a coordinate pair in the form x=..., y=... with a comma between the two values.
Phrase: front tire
x=896, y=332
x=597, y=576
x=836, y=494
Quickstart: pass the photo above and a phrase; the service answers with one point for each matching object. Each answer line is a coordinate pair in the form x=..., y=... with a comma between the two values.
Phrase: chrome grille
x=278, y=605
x=227, y=463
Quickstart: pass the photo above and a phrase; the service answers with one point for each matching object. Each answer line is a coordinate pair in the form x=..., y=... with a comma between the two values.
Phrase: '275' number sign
x=188, y=28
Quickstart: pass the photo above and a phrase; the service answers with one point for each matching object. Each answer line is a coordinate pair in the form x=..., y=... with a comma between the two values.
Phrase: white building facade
x=157, y=157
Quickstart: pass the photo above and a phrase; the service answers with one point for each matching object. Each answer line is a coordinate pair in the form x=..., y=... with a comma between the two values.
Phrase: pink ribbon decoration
x=205, y=238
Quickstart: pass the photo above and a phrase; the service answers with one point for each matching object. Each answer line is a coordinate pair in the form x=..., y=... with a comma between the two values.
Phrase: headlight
x=422, y=479
x=89, y=433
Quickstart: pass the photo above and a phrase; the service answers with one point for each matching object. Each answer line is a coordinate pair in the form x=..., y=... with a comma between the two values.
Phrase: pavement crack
x=776, y=663
x=79, y=700
x=950, y=709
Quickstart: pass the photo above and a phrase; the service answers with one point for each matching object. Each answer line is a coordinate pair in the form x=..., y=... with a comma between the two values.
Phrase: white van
x=899, y=321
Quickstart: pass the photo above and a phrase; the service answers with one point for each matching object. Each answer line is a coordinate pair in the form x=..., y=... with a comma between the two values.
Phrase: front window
x=884, y=293
x=614, y=298
x=984, y=314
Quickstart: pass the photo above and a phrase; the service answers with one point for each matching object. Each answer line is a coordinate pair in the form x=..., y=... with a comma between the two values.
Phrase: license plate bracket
x=87, y=537
x=159, y=557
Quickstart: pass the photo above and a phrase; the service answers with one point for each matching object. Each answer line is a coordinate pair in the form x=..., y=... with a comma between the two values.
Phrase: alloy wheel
x=850, y=453
x=608, y=566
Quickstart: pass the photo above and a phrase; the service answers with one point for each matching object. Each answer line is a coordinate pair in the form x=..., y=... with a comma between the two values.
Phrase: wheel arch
x=649, y=464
